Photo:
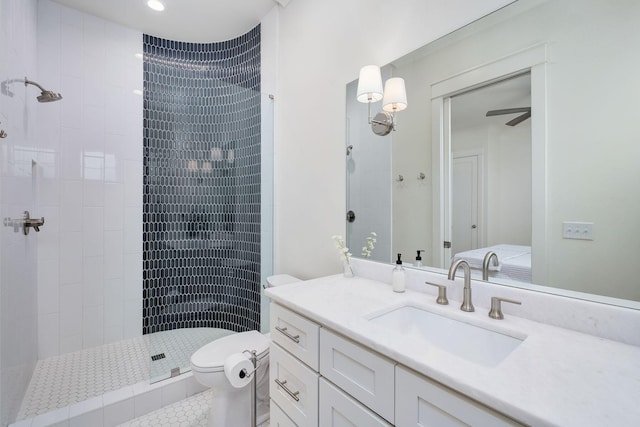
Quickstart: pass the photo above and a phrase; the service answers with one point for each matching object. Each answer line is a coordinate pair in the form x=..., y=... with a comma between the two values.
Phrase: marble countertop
x=555, y=377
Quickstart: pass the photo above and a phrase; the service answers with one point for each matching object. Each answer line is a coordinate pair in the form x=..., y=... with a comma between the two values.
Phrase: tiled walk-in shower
x=201, y=238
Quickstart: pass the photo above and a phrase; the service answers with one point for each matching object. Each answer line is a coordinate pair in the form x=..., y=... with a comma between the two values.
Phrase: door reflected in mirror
x=491, y=196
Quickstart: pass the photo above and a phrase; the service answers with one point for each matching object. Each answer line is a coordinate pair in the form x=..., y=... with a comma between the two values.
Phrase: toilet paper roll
x=237, y=369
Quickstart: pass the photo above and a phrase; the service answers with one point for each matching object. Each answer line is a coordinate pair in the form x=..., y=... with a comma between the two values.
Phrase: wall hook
x=421, y=176
x=3, y=134
x=400, y=178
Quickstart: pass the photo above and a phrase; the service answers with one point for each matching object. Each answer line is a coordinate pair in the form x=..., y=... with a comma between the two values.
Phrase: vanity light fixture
x=394, y=98
x=155, y=5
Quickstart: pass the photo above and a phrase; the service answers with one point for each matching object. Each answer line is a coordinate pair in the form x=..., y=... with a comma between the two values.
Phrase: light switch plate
x=577, y=230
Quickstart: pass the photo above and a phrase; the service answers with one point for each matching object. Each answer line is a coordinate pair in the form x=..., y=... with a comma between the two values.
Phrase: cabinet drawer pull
x=283, y=331
x=293, y=394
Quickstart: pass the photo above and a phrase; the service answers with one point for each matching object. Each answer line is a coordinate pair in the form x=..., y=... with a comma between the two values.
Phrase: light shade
x=369, y=84
x=395, y=96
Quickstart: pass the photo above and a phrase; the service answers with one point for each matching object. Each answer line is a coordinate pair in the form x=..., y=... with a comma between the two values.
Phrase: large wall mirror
x=521, y=137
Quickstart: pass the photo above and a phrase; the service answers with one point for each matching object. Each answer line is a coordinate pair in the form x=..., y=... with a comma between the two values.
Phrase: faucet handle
x=442, y=293
x=496, y=308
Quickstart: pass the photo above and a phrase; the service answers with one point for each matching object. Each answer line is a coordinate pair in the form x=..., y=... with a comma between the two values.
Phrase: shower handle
x=24, y=223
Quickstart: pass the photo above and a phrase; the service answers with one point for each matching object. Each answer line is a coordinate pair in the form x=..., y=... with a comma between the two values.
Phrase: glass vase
x=347, y=269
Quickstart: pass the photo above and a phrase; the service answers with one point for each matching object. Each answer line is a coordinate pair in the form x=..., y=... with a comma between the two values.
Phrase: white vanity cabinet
x=293, y=367
x=346, y=384
x=421, y=402
x=363, y=374
x=338, y=409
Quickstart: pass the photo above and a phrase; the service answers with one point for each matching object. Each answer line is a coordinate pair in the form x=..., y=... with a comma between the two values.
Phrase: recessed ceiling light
x=155, y=5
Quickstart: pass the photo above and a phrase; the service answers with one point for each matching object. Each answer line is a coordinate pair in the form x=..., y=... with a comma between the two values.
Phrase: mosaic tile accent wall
x=201, y=195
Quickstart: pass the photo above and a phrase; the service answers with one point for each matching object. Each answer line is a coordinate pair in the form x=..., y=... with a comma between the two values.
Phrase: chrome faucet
x=485, y=264
x=466, y=300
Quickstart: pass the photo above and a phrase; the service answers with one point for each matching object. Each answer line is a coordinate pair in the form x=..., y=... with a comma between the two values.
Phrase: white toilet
x=231, y=407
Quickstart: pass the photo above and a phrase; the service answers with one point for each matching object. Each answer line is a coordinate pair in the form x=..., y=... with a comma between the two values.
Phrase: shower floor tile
x=70, y=378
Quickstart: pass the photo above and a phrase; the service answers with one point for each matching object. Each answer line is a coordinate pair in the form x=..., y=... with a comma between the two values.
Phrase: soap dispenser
x=419, y=258
x=398, y=279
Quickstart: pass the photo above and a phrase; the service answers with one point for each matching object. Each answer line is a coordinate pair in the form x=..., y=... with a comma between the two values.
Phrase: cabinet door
x=293, y=386
x=425, y=403
x=294, y=333
x=277, y=417
x=365, y=375
x=338, y=409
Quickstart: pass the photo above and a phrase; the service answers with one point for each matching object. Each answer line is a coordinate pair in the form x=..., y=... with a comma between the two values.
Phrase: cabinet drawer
x=423, y=402
x=339, y=409
x=293, y=386
x=295, y=334
x=363, y=374
x=277, y=417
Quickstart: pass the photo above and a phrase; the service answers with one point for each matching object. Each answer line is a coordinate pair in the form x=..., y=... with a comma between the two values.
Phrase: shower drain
x=158, y=356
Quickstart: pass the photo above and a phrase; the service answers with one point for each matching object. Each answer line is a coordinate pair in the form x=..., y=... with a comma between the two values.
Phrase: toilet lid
x=212, y=356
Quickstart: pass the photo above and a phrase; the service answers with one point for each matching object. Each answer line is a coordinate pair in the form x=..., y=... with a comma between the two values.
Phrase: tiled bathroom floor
x=191, y=412
x=74, y=377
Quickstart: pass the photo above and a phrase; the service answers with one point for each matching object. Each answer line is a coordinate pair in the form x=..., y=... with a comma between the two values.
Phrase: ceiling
x=182, y=20
x=469, y=109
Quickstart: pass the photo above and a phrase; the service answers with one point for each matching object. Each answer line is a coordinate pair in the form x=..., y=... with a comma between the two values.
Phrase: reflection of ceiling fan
x=521, y=118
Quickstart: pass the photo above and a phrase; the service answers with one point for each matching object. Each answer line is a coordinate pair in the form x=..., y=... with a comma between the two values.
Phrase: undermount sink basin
x=470, y=342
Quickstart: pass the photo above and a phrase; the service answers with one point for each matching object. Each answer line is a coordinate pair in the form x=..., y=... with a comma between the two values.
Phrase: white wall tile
x=71, y=206
x=71, y=109
x=133, y=183
x=49, y=25
x=174, y=392
x=48, y=333
x=70, y=343
x=114, y=303
x=132, y=318
x=113, y=206
x=132, y=229
x=132, y=151
x=133, y=275
x=113, y=254
x=92, y=197
x=93, y=231
x=92, y=281
x=92, y=326
x=70, y=310
x=148, y=402
x=93, y=193
x=18, y=279
x=51, y=418
x=92, y=418
x=70, y=257
x=93, y=125
x=71, y=40
x=48, y=286
x=118, y=412
x=71, y=154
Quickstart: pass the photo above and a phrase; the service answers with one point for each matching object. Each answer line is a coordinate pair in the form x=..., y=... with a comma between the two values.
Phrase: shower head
x=45, y=95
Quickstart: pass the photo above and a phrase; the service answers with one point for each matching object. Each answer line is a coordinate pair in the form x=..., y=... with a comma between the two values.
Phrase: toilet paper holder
x=254, y=383
x=252, y=356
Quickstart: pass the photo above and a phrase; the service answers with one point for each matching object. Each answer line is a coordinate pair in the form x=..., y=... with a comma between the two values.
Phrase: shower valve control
x=24, y=223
